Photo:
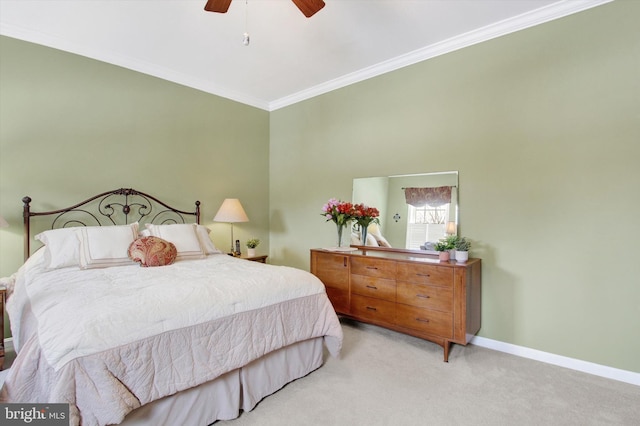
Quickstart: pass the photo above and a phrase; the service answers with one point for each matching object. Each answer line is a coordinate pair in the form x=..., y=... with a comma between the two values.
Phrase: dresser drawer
x=425, y=320
x=372, y=309
x=373, y=267
x=380, y=288
x=339, y=299
x=331, y=261
x=335, y=279
x=425, y=274
x=332, y=269
x=425, y=296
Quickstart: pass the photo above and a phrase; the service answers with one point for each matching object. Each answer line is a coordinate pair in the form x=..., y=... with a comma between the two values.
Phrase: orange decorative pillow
x=152, y=251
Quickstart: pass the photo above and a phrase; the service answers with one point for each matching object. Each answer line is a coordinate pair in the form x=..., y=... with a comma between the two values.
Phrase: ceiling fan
x=307, y=7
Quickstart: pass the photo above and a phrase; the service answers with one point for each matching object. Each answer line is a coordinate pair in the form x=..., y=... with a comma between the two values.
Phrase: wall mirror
x=405, y=226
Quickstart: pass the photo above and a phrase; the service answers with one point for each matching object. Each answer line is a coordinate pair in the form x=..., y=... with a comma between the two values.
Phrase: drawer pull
x=423, y=275
x=423, y=296
x=371, y=308
x=371, y=267
x=422, y=320
x=373, y=287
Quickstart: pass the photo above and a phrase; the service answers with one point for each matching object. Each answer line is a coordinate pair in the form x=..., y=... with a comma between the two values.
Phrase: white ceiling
x=290, y=57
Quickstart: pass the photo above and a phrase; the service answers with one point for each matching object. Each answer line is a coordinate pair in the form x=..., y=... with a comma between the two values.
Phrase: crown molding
x=498, y=29
x=526, y=20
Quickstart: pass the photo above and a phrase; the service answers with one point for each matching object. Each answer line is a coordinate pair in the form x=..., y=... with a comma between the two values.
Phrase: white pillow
x=371, y=240
x=203, y=236
x=374, y=229
x=382, y=241
x=207, y=244
x=62, y=247
x=104, y=246
x=183, y=236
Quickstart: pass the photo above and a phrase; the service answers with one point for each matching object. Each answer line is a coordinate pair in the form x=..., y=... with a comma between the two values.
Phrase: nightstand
x=3, y=292
x=261, y=259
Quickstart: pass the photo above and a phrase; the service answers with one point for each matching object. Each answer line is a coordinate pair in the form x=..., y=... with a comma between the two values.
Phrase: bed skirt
x=241, y=389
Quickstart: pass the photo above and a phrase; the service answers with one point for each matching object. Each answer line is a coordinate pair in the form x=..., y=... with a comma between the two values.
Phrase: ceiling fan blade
x=309, y=7
x=220, y=6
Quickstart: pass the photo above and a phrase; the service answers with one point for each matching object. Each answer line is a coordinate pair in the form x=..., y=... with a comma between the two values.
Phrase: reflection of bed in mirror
x=401, y=225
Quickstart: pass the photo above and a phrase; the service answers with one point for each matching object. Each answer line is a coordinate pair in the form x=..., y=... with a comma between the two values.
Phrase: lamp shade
x=451, y=228
x=3, y=223
x=231, y=211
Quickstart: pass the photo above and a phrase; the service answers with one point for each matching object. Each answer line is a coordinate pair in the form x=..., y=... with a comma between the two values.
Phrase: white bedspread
x=109, y=340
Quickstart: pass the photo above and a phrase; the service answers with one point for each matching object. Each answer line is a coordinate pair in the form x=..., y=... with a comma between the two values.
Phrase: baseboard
x=559, y=360
x=549, y=358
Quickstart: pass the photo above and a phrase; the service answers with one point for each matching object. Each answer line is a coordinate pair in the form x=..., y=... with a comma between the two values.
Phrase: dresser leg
x=447, y=346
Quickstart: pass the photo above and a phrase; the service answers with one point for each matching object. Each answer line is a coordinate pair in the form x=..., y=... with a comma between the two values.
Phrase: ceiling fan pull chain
x=245, y=36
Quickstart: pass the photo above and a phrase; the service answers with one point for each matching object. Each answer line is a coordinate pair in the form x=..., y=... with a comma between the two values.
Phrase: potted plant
x=442, y=247
x=451, y=241
x=251, y=246
x=462, y=247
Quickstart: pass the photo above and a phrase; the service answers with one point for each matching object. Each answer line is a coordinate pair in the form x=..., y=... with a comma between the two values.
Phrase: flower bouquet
x=339, y=212
x=365, y=216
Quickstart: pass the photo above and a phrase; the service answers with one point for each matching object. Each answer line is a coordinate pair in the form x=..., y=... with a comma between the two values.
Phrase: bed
x=190, y=341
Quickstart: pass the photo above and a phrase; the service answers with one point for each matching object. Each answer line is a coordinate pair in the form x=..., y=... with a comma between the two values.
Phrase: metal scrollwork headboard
x=118, y=207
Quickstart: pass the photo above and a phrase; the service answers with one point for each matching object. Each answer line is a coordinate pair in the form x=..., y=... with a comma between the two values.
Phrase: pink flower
x=341, y=212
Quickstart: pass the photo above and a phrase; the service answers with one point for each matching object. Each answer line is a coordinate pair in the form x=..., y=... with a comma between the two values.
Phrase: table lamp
x=231, y=211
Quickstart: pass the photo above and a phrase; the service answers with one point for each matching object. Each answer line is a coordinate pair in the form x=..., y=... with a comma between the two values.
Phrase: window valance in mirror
x=435, y=197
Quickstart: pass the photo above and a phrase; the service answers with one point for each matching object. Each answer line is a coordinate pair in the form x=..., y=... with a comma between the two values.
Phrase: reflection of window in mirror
x=387, y=194
x=426, y=223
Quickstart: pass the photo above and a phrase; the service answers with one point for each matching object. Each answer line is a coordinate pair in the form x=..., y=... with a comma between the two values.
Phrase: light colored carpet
x=387, y=378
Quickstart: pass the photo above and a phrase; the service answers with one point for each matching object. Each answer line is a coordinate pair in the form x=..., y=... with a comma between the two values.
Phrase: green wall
x=71, y=127
x=544, y=127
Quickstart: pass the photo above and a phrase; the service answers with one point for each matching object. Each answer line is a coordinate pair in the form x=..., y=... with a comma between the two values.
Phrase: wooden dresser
x=404, y=291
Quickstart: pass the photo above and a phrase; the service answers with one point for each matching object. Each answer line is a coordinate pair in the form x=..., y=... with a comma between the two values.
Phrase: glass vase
x=363, y=234
x=340, y=228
